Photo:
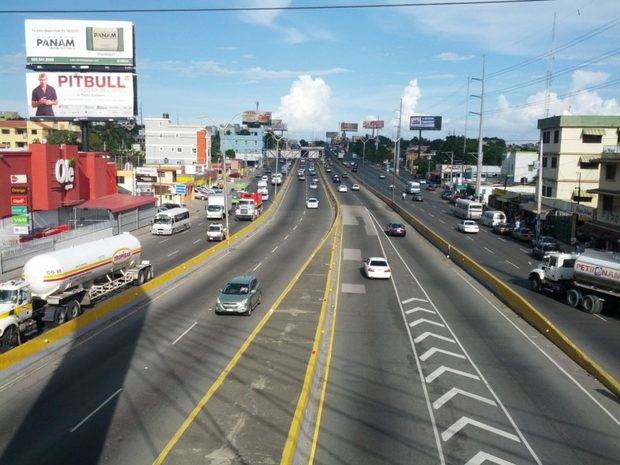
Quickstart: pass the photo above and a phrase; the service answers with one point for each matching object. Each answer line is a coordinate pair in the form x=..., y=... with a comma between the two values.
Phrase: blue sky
x=318, y=68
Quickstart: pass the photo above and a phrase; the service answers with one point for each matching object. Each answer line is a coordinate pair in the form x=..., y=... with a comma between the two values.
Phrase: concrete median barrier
x=508, y=296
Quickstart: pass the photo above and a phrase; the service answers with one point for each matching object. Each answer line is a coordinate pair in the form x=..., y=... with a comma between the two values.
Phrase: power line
x=598, y=30
x=275, y=8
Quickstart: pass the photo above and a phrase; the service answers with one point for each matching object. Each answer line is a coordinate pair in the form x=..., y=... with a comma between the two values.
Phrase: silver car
x=242, y=295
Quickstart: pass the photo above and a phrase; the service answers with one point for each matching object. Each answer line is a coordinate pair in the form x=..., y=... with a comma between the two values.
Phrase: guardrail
x=508, y=296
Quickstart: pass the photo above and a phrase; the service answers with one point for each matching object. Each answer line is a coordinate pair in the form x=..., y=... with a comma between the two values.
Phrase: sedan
x=447, y=195
x=345, y=176
x=417, y=197
x=355, y=187
x=342, y=188
x=467, y=226
x=242, y=294
x=377, y=268
x=523, y=234
x=545, y=245
x=502, y=229
x=312, y=203
x=314, y=185
x=396, y=229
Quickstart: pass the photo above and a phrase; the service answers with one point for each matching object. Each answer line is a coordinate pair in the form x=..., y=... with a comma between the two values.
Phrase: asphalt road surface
x=511, y=261
x=118, y=394
x=430, y=368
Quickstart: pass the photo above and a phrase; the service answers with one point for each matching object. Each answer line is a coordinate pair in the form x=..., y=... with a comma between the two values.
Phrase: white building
x=174, y=144
x=519, y=165
x=464, y=173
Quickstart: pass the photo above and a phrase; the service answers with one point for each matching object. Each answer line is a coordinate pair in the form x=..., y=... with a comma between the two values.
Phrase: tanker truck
x=55, y=286
x=590, y=281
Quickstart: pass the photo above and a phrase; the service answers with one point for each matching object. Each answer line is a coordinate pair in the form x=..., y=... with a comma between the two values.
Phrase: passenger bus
x=170, y=221
x=468, y=209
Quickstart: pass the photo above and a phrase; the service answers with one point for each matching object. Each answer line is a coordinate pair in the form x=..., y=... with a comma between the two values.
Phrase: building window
x=544, y=162
x=6, y=131
x=554, y=162
x=610, y=172
x=547, y=191
x=193, y=150
x=120, y=179
x=546, y=137
x=20, y=131
x=592, y=138
x=556, y=136
x=179, y=149
x=33, y=131
x=21, y=144
x=608, y=203
x=585, y=165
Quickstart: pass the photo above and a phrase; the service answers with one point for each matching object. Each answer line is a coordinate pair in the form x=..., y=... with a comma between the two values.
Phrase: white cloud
x=307, y=104
x=264, y=17
x=523, y=118
x=452, y=56
x=227, y=48
x=411, y=97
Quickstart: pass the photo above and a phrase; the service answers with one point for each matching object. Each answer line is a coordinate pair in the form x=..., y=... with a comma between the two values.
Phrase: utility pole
x=481, y=97
x=397, y=146
x=466, y=119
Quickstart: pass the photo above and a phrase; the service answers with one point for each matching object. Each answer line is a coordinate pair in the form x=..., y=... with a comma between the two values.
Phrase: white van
x=413, y=187
x=170, y=221
x=468, y=209
x=492, y=217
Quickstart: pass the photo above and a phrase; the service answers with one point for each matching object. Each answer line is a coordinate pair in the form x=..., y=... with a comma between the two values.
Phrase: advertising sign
x=376, y=124
x=69, y=95
x=79, y=42
x=425, y=123
x=19, y=179
x=180, y=189
x=278, y=125
x=352, y=127
x=19, y=190
x=256, y=117
x=331, y=134
x=19, y=210
x=19, y=200
x=21, y=230
x=20, y=219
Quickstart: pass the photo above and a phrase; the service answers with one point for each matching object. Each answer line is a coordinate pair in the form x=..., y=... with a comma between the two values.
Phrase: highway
x=119, y=394
x=511, y=261
x=430, y=368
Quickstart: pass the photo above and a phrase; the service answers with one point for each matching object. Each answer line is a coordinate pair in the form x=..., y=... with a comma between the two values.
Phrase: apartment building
x=174, y=144
x=20, y=133
x=247, y=142
x=571, y=147
x=519, y=166
x=605, y=227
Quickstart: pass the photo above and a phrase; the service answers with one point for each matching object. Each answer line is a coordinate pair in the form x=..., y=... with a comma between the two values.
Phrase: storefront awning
x=118, y=202
x=589, y=158
x=592, y=132
x=615, y=193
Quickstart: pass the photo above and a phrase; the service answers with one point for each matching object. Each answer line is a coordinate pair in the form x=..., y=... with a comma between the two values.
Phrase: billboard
x=70, y=95
x=278, y=125
x=79, y=42
x=256, y=117
x=352, y=127
x=376, y=124
x=425, y=123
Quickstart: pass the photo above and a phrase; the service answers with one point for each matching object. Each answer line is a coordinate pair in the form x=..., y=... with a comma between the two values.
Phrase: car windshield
x=236, y=289
x=213, y=208
x=162, y=220
x=215, y=228
x=8, y=296
x=380, y=263
x=397, y=226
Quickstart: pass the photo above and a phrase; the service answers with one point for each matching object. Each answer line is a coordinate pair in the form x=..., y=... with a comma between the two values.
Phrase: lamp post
x=278, y=139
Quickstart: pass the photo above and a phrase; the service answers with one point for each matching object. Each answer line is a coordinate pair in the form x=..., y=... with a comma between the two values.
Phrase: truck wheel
x=73, y=310
x=589, y=303
x=535, y=284
x=60, y=315
x=573, y=298
x=9, y=338
x=149, y=274
x=140, y=280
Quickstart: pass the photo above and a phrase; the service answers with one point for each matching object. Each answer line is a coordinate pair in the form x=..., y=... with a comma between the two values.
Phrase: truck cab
x=16, y=310
x=555, y=269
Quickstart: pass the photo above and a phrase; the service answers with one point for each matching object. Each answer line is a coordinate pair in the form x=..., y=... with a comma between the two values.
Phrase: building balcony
x=611, y=149
x=581, y=195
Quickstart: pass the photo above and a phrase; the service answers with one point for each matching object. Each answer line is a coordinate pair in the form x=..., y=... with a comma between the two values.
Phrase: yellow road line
x=233, y=362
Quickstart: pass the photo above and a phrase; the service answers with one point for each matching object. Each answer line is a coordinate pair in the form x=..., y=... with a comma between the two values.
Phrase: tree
x=230, y=154
x=215, y=146
x=303, y=143
x=63, y=136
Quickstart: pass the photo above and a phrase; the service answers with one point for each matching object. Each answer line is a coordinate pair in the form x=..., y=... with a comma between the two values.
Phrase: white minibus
x=492, y=217
x=468, y=209
x=170, y=221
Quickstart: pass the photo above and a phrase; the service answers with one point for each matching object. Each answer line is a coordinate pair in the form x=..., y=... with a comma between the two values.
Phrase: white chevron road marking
x=482, y=457
x=406, y=301
x=435, y=350
x=423, y=336
x=424, y=320
x=455, y=391
x=442, y=369
x=464, y=421
x=419, y=309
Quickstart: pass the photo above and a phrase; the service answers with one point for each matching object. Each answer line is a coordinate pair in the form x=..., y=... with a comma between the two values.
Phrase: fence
x=134, y=219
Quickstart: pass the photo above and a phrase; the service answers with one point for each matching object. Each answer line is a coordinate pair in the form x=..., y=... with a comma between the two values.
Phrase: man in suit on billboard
x=44, y=97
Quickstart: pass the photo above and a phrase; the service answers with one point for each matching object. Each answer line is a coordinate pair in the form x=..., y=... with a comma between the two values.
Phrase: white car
x=314, y=185
x=265, y=195
x=355, y=187
x=312, y=203
x=377, y=268
x=216, y=232
x=467, y=226
x=264, y=178
x=342, y=188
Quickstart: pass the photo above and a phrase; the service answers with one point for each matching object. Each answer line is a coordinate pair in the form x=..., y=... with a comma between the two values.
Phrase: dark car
x=502, y=229
x=447, y=195
x=431, y=187
x=544, y=245
x=396, y=229
x=417, y=197
x=167, y=206
x=523, y=234
x=345, y=176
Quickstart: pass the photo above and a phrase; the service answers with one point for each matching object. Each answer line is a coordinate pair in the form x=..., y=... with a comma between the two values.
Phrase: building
x=571, y=147
x=248, y=143
x=174, y=144
x=605, y=225
x=9, y=115
x=19, y=134
x=464, y=173
x=519, y=166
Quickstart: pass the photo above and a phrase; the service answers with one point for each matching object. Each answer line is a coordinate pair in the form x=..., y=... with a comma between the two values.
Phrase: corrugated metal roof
x=118, y=202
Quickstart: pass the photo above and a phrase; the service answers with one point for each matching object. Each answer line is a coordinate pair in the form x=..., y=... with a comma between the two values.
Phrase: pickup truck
x=216, y=232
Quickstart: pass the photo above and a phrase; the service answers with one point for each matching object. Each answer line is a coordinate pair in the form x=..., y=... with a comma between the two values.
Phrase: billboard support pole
x=84, y=128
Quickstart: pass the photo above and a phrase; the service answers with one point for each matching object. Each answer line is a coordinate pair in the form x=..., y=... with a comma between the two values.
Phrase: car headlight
x=243, y=303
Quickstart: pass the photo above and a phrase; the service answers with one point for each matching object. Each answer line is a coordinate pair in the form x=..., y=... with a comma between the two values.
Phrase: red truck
x=250, y=206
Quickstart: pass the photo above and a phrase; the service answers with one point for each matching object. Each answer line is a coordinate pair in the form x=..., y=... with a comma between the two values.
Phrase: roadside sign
x=20, y=219
x=19, y=179
x=19, y=190
x=21, y=230
x=180, y=189
x=19, y=200
x=19, y=210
